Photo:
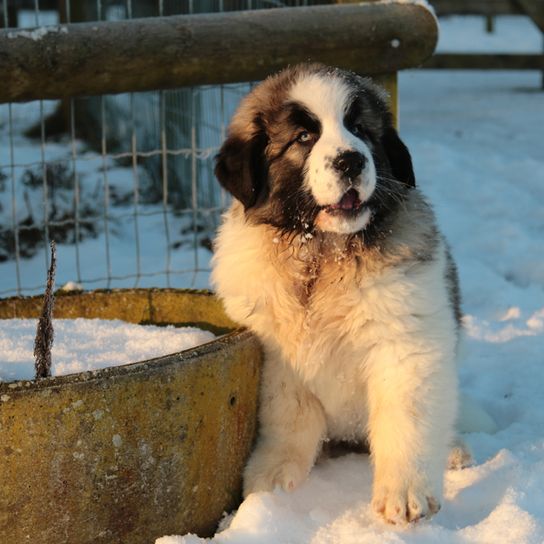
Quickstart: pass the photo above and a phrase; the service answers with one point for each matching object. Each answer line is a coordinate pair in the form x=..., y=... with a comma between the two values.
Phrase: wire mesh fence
x=123, y=183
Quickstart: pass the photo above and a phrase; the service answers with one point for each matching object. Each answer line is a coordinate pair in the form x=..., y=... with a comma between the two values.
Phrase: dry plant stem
x=44, y=332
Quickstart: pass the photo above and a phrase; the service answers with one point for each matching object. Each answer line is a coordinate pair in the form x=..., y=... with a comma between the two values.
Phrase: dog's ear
x=399, y=157
x=241, y=167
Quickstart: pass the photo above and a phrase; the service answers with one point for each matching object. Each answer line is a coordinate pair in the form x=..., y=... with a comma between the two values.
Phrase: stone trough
x=130, y=453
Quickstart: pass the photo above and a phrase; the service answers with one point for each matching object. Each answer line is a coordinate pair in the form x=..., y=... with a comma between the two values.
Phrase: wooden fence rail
x=476, y=7
x=166, y=52
x=486, y=61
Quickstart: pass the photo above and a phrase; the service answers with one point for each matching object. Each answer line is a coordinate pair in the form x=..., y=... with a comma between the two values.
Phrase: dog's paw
x=405, y=505
x=285, y=474
x=460, y=455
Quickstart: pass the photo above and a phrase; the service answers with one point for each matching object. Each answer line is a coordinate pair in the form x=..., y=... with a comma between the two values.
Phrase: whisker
x=394, y=181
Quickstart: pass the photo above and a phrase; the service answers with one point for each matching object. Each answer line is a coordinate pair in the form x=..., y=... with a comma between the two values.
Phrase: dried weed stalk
x=44, y=332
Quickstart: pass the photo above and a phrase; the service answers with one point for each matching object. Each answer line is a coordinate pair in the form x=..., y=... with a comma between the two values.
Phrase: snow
x=89, y=344
x=513, y=34
x=38, y=33
x=476, y=141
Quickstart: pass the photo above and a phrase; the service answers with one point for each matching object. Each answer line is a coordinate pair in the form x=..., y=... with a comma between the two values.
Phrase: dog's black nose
x=349, y=163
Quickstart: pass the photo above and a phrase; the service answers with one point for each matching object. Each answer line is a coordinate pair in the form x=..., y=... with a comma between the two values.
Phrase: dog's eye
x=304, y=136
x=360, y=131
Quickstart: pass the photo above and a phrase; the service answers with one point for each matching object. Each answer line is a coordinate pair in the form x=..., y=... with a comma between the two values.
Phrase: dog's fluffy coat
x=332, y=256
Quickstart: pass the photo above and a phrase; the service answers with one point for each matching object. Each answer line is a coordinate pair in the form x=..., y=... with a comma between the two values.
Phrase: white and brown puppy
x=333, y=257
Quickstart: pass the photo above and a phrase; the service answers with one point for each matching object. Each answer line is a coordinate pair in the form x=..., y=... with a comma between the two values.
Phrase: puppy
x=332, y=256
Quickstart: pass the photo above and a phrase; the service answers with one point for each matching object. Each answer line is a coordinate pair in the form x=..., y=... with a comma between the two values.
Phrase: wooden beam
x=476, y=7
x=486, y=61
x=166, y=52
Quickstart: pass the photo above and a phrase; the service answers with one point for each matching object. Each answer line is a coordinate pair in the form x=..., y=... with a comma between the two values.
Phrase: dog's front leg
x=412, y=406
x=292, y=426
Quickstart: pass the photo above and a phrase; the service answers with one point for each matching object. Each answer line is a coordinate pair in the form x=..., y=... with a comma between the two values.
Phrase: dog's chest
x=330, y=320
x=325, y=315
x=320, y=311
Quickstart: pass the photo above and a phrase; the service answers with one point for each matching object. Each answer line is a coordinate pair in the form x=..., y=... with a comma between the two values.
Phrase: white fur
x=342, y=225
x=370, y=354
x=328, y=99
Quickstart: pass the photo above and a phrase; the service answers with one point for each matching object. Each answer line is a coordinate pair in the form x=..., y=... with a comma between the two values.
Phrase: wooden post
x=489, y=24
x=390, y=83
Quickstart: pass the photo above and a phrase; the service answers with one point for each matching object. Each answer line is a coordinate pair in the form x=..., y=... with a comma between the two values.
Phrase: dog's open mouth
x=349, y=204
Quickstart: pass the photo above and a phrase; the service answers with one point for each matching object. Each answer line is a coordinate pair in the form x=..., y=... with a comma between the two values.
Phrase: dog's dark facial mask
x=266, y=171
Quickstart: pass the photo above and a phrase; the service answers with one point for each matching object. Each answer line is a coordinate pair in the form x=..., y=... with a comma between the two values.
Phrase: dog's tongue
x=349, y=201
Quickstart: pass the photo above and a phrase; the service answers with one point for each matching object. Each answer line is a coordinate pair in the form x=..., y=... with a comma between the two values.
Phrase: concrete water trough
x=130, y=453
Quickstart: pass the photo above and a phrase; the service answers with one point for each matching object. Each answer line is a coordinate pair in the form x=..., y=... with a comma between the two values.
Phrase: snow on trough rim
x=90, y=344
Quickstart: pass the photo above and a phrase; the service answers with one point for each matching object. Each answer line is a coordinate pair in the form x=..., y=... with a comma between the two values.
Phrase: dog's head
x=315, y=148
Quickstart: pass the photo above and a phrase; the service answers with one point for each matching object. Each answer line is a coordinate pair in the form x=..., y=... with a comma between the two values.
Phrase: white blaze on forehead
x=324, y=95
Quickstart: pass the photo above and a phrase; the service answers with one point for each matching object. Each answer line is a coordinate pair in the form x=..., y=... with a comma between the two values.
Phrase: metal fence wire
x=123, y=183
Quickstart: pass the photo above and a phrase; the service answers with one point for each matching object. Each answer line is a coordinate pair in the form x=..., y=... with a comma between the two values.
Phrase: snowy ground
x=477, y=144
x=89, y=344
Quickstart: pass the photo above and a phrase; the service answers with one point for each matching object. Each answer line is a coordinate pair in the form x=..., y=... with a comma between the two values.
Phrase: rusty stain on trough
x=129, y=453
